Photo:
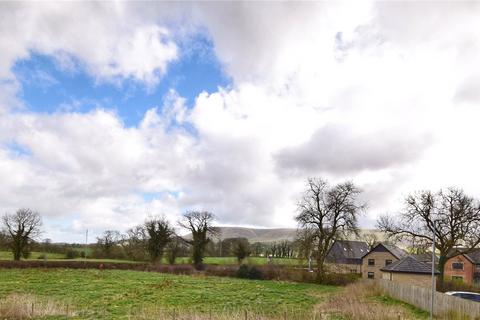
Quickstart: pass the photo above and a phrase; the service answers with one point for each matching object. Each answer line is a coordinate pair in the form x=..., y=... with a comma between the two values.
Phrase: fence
x=421, y=298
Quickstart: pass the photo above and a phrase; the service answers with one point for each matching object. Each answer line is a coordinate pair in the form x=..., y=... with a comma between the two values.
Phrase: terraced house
x=380, y=256
x=464, y=267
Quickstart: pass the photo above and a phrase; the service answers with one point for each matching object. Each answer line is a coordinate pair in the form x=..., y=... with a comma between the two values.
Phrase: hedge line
x=268, y=272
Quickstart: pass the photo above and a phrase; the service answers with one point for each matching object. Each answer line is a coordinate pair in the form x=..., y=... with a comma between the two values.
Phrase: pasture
x=6, y=255
x=93, y=294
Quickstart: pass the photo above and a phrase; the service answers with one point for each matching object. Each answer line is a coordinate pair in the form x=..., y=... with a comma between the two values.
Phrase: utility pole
x=86, y=244
x=433, y=274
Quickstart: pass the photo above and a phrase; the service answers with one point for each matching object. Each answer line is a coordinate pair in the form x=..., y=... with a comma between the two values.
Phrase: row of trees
x=133, y=245
x=327, y=213
x=151, y=240
x=153, y=237
x=157, y=236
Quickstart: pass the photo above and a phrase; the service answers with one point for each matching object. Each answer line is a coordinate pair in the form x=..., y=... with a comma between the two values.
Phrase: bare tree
x=330, y=212
x=305, y=240
x=21, y=229
x=160, y=234
x=371, y=239
x=241, y=249
x=176, y=248
x=134, y=243
x=107, y=242
x=451, y=215
x=199, y=223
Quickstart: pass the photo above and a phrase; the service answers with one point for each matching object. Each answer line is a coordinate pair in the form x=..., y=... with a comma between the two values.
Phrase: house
x=409, y=270
x=464, y=267
x=380, y=256
x=346, y=256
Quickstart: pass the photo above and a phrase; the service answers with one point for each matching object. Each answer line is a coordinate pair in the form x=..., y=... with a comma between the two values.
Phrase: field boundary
x=421, y=298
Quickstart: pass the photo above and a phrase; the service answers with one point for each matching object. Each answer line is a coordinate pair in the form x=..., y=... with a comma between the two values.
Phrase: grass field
x=93, y=294
x=6, y=255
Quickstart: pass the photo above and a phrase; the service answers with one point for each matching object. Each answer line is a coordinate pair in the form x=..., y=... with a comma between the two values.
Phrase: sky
x=112, y=112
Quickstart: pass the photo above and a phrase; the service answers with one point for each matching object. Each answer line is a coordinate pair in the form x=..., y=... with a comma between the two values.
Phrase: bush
x=42, y=256
x=340, y=279
x=249, y=272
x=450, y=285
x=71, y=254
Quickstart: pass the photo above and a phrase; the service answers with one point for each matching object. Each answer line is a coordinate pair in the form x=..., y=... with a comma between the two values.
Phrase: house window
x=457, y=278
x=371, y=262
x=387, y=262
x=457, y=265
x=371, y=275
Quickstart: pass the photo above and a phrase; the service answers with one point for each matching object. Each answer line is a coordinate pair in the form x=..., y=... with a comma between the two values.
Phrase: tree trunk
x=320, y=269
x=17, y=249
x=441, y=268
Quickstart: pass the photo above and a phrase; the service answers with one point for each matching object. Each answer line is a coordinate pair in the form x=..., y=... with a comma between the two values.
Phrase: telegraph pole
x=86, y=244
x=432, y=305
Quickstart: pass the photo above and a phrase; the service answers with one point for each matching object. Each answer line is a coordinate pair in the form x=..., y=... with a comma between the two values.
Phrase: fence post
x=33, y=306
x=246, y=316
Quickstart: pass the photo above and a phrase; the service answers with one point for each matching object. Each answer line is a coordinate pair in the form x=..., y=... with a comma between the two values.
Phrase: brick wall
x=466, y=273
x=419, y=280
x=344, y=268
x=380, y=258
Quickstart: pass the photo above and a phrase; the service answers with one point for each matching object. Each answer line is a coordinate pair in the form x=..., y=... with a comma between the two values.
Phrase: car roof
x=453, y=292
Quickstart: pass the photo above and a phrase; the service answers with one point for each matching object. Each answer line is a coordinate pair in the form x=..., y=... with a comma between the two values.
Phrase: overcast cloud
x=384, y=94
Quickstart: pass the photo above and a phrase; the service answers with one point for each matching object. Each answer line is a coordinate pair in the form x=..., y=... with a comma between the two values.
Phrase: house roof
x=349, y=252
x=409, y=264
x=473, y=256
x=425, y=257
x=394, y=250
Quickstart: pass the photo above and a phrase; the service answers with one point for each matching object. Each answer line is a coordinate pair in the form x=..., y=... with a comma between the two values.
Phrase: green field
x=6, y=255
x=94, y=294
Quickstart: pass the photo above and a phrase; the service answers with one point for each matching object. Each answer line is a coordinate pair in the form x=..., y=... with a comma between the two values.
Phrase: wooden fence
x=421, y=298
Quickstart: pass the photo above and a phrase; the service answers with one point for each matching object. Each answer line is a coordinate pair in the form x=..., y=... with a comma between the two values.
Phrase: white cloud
x=110, y=41
x=381, y=93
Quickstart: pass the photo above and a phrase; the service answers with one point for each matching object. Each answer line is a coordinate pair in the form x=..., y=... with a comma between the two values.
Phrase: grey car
x=465, y=295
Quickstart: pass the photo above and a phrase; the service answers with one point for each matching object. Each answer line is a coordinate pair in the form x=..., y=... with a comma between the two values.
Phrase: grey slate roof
x=394, y=250
x=409, y=264
x=474, y=255
x=347, y=252
x=425, y=257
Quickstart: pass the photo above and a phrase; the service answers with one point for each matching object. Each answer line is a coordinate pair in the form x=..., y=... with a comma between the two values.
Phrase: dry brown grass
x=25, y=306
x=356, y=302
x=150, y=314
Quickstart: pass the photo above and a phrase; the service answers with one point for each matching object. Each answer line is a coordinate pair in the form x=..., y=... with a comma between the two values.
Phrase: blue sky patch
x=46, y=87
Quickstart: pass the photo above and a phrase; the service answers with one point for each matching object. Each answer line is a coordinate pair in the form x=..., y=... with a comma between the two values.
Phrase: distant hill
x=258, y=235
x=274, y=234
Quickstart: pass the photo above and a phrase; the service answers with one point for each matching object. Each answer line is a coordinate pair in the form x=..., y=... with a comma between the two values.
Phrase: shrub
x=42, y=256
x=221, y=271
x=249, y=272
x=456, y=286
x=71, y=254
x=340, y=279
